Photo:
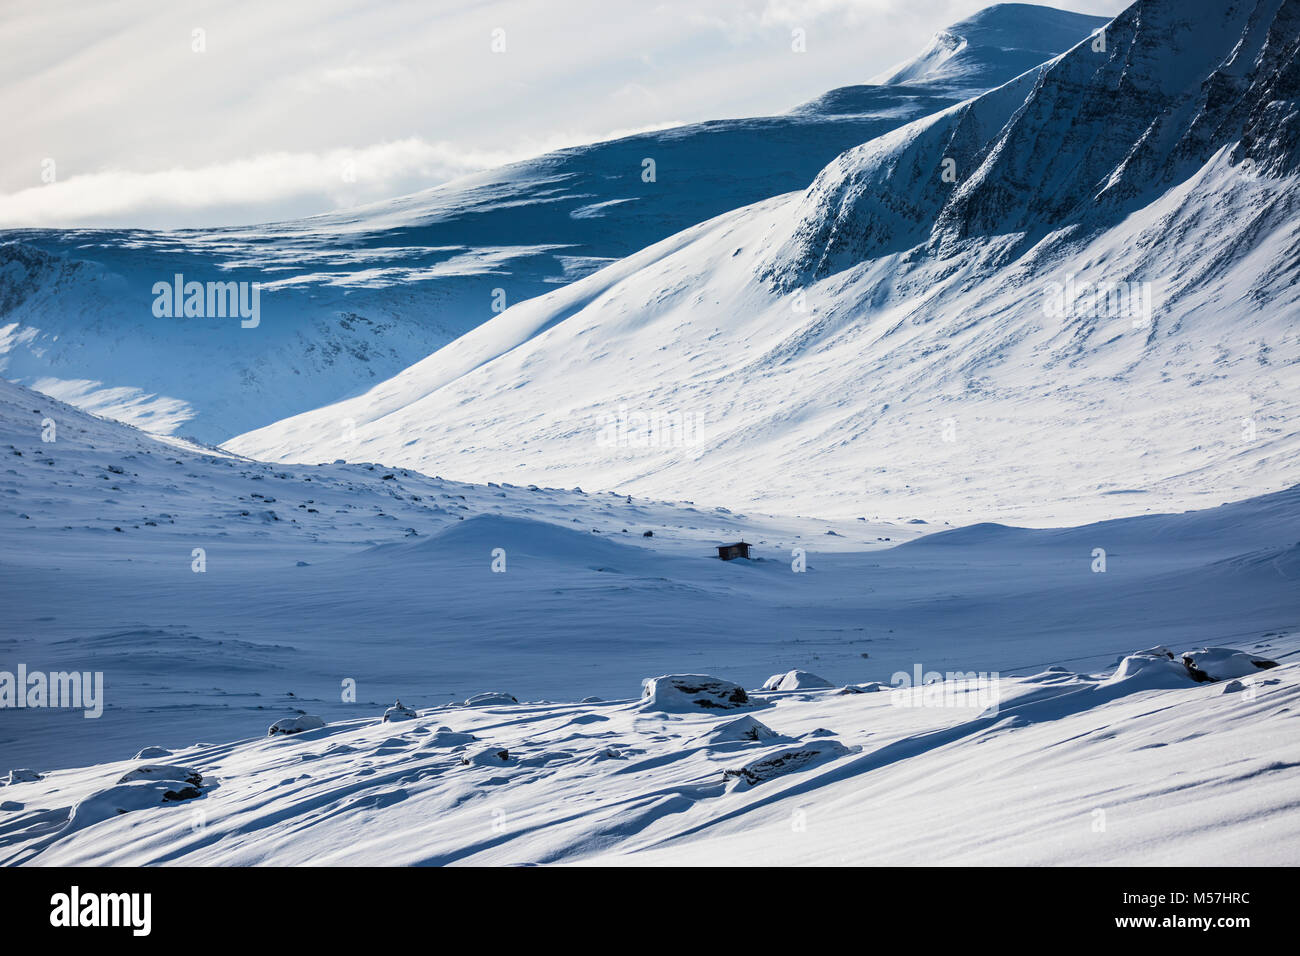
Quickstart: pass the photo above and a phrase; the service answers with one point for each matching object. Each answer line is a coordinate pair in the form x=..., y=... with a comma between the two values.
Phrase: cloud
x=261, y=124
x=222, y=193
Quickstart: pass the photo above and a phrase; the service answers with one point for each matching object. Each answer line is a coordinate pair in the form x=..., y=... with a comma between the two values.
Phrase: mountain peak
x=992, y=46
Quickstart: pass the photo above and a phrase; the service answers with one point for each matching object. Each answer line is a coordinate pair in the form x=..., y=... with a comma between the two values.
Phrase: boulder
x=166, y=772
x=691, y=692
x=1223, y=663
x=399, y=711
x=742, y=728
x=796, y=680
x=1154, y=667
x=787, y=761
x=295, y=725
x=870, y=687
x=489, y=757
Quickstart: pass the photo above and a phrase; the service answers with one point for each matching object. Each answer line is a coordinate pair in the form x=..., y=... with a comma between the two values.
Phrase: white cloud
x=145, y=131
x=209, y=195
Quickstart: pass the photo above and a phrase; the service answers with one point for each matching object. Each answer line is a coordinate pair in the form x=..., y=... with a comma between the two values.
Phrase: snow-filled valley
x=891, y=334
x=315, y=578
x=983, y=376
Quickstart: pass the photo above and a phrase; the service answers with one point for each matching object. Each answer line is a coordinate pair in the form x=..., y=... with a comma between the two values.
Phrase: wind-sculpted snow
x=219, y=596
x=1070, y=768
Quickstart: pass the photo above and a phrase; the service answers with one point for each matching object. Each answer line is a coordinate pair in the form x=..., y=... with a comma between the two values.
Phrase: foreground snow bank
x=1072, y=768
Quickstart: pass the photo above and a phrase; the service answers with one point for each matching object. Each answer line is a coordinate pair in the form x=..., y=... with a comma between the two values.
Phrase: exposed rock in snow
x=1221, y=663
x=788, y=761
x=796, y=680
x=489, y=757
x=691, y=692
x=295, y=725
x=399, y=711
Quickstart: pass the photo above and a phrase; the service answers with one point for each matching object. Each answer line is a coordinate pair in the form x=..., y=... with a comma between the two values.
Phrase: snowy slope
x=1073, y=769
x=351, y=298
x=886, y=342
x=317, y=575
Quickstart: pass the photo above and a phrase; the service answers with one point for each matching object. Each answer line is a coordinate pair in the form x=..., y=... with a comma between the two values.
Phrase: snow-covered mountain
x=351, y=298
x=1072, y=296
x=219, y=598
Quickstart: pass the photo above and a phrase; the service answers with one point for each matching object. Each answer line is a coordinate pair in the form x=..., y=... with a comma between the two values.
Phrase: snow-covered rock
x=295, y=725
x=741, y=729
x=1155, y=667
x=673, y=692
x=399, y=711
x=489, y=757
x=796, y=680
x=153, y=753
x=164, y=772
x=870, y=687
x=1222, y=663
x=789, y=760
x=22, y=776
x=127, y=797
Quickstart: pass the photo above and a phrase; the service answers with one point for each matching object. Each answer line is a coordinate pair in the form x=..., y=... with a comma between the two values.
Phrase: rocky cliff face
x=1078, y=144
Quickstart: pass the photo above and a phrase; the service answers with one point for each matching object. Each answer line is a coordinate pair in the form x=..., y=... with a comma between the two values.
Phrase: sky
x=189, y=113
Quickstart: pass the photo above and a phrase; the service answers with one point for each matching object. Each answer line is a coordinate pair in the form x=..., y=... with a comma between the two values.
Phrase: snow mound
x=1223, y=663
x=787, y=761
x=295, y=725
x=22, y=776
x=399, y=711
x=691, y=692
x=796, y=680
x=1154, y=667
x=152, y=753
x=491, y=697
x=127, y=797
x=446, y=738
